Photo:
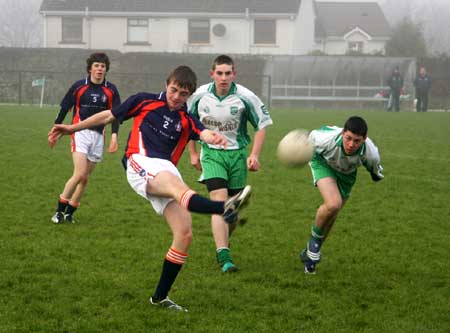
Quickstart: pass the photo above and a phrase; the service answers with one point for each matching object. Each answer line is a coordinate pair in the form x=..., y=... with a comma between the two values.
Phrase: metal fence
x=25, y=87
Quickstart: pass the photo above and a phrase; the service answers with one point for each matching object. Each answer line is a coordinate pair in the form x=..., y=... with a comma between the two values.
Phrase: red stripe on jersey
x=184, y=138
x=135, y=133
x=108, y=92
x=78, y=94
x=194, y=128
x=130, y=112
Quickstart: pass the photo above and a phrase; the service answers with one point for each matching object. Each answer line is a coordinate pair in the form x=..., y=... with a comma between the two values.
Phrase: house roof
x=336, y=19
x=174, y=6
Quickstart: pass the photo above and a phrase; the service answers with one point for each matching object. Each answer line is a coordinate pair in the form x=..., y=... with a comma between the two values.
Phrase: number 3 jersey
x=229, y=114
x=86, y=99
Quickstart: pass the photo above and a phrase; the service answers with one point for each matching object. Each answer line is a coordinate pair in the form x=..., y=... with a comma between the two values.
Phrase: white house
x=282, y=27
x=350, y=27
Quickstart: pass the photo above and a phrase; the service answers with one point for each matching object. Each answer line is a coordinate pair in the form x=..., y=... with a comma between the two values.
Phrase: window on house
x=356, y=47
x=72, y=29
x=137, y=31
x=265, y=32
x=198, y=31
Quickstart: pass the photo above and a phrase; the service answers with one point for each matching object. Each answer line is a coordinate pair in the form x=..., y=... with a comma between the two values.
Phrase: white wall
x=303, y=35
x=295, y=36
x=171, y=35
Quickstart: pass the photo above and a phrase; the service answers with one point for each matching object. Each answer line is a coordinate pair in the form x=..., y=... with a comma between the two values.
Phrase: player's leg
x=180, y=223
x=325, y=216
x=161, y=178
x=80, y=169
x=74, y=202
x=221, y=231
x=93, y=147
x=332, y=202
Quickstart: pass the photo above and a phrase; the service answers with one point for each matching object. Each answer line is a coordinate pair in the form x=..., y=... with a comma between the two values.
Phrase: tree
x=407, y=40
x=20, y=23
x=431, y=14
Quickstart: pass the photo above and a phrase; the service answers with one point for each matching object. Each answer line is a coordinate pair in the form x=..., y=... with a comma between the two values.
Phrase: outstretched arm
x=58, y=130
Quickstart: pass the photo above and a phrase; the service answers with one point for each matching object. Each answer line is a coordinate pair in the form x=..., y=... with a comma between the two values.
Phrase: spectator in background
x=423, y=86
x=395, y=83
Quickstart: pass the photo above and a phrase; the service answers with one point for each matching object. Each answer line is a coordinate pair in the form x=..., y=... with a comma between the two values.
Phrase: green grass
x=385, y=265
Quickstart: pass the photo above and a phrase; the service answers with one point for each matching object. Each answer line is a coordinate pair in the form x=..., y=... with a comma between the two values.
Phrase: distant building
x=282, y=27
x=350, y=27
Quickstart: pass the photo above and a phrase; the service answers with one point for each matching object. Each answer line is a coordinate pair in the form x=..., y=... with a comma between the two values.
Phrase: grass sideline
x=385, y=265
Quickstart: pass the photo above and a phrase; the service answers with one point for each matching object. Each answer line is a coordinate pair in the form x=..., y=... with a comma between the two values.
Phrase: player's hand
x=113, y=146
x=56, y=133
x=213, y=138
x=195, y=161
x=376, y=177
x=253, y=163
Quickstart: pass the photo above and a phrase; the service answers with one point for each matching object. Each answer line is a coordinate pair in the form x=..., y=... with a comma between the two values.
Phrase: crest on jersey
x=142, y=173
x=178, y=127
x=206, y=109
x=264, y=110
x=234, y=110
x=104, y=98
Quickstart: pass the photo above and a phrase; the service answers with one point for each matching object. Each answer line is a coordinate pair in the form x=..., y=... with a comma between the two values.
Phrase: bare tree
x=20, y=23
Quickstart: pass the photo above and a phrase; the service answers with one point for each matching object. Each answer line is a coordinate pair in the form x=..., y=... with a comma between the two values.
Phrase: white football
x=295, y=150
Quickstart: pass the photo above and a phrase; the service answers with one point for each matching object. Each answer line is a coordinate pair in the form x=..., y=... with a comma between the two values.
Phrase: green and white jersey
x=229, y=114
x=329, y=147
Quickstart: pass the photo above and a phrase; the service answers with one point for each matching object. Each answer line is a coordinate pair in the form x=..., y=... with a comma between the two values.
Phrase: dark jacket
x=395, y=82
x=422, y=84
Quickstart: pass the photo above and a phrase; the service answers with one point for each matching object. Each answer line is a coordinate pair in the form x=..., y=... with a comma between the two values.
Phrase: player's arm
x=58, y=130
x=194, y=155
x=61, y=115
x=258, y=142
x=372, y=161
x=113, y=144
x=66, y=104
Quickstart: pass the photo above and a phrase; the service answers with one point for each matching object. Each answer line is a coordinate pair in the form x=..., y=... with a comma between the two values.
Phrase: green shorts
x=230, y=165
x=320, y=169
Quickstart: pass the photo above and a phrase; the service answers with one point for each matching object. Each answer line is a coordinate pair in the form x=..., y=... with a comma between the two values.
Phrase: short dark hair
x=184, y=77
x=356, y=125
x=97, y=57
x=222, y=59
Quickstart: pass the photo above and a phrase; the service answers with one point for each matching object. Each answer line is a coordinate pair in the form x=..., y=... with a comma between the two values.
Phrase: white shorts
x=88, y=142
x=140, y=169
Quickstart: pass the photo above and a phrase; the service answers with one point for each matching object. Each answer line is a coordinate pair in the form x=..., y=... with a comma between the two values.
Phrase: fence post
x=20, y=88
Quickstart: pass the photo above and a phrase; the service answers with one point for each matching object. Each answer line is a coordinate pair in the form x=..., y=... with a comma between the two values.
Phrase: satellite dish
x=219, y=30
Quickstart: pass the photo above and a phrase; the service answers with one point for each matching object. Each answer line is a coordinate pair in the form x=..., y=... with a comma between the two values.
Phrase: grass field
x=385, y=265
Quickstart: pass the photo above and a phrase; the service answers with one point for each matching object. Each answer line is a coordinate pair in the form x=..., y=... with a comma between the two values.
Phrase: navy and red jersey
x=86, y=99
x=156, y=131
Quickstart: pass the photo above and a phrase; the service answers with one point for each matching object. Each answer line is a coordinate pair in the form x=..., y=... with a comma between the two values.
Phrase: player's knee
x=185, y=237
x=333, y=207
x=83, y=179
